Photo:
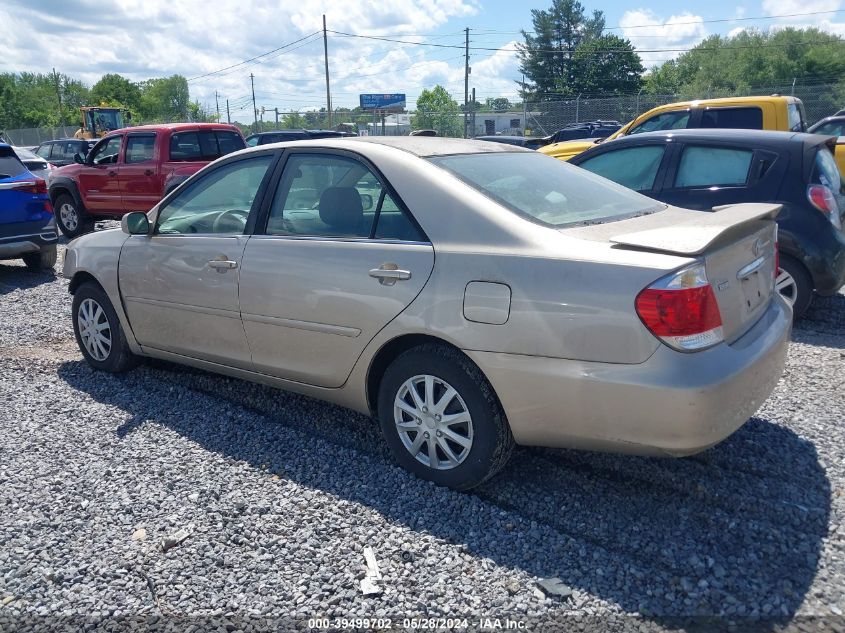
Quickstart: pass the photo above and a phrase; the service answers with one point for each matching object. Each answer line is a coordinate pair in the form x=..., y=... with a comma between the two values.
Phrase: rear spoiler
x=693, y=232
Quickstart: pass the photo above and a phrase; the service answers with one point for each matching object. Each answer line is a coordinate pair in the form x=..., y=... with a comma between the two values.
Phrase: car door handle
x=148, y=172
x=112, y=173
x=389, y=274
x=222, y=264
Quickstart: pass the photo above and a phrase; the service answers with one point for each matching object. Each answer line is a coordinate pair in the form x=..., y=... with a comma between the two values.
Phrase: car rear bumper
x=19, y=238
x=672, y=404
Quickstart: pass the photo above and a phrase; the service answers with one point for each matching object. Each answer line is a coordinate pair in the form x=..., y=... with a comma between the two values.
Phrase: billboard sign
x=395, y=101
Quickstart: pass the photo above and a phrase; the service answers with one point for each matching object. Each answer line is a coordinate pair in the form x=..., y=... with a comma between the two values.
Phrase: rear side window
x=632, y=167
x=713, y=166
x=204, y=145
x=139, y=149
x=10, y=165
x=677, y=120
x=734, y=118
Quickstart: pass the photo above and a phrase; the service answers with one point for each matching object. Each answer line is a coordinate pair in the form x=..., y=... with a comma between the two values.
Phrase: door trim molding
x=229, y=314
x=324, y=328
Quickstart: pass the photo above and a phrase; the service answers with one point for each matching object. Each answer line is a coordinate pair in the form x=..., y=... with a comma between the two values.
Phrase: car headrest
x=341, y=209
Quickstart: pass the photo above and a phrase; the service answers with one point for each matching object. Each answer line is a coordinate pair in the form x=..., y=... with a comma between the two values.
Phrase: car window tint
x=734, y=118
x=712, y=166
x=632, y=167
x=205, y=145
x=825, y=170
x=545, y=189
x=664, y=121
x=107, y=153
x=252, y=141
x=834, y=128
x=796, y=118
x=321, y=195
x=44, y=150
x=10, y=164
x=139, y=149
x=394, y=224
x=219, y=202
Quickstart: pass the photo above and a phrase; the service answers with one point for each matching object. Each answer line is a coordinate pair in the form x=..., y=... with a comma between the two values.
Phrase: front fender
x=61, y=184
x=95, y=257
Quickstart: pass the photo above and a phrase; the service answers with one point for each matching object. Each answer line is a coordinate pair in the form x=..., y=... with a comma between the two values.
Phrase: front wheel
x=98, y=331
x=441, y=418
x=70, y=218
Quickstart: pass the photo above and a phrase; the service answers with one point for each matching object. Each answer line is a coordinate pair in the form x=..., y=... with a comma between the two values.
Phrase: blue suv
x=27, y=223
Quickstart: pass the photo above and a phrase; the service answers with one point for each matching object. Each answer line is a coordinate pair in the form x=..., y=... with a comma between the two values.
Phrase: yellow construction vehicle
x=97, y=121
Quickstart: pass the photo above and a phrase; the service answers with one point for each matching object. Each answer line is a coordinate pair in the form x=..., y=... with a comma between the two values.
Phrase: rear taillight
x=823, y=199
x=39, y=185
x=681, y=310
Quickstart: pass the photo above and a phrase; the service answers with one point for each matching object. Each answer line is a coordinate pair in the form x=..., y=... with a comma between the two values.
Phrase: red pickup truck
x=133, y=168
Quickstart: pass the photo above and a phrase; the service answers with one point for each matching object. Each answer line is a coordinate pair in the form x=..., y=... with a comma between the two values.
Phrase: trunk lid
x=735, y=242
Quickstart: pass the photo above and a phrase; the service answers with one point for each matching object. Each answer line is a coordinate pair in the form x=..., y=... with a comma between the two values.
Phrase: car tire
x=795, y=285
x=467, y=450
x=70, y=217
x=45, y=259
x=109, y=351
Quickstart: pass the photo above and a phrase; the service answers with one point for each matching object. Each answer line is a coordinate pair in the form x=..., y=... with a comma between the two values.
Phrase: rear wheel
x=794, y=285
x=44, y=259
x=70, y=218
x=441, y=418
x=98, y=331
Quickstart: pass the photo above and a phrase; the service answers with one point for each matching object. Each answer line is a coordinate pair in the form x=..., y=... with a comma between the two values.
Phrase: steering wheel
x=236, y=218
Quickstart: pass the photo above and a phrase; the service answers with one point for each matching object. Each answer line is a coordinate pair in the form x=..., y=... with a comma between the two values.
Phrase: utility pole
x=217, y=101
x=228, y=116
x=277, y=117
x=472, y=116
x=59, y=95
x=326, y=53
x=466, y=83
x=254, y=107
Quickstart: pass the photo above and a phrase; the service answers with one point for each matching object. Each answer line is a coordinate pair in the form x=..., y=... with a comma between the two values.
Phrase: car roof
x=732, y=135
x=425, y=146
x=176, y=127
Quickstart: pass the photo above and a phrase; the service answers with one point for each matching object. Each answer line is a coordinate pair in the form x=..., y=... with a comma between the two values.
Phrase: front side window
x=665, y=121
x=204, y=145
x=733, y=118
x=44, y=150
x=713, y=166
x=217, y=203
x=139, y=148
x=632, y=167
x=546, y=190
x=106, y=153
x=795, y=113
x=334, y=196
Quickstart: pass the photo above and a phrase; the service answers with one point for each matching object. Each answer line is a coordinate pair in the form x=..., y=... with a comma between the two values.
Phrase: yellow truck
x=756, y=113
x=97, y=121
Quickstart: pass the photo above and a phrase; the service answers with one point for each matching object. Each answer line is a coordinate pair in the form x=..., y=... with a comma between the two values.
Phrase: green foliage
x=751, y=61
x=498, y=104
x=547, y=57
x=606, y=65
x=436, y=110
x=116, y=90
x=165, y=99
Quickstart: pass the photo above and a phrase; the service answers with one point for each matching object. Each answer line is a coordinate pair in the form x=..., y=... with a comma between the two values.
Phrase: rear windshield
x=546, y=190
x=825, y=171
x=10, y=165
x=204, y=145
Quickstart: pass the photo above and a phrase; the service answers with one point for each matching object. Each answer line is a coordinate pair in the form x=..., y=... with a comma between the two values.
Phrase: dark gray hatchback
x=705, y=169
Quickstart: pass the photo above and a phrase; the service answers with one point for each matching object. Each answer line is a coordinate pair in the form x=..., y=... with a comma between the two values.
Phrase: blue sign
x=383, y=102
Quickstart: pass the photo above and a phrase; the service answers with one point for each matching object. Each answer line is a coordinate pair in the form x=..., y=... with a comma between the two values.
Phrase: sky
x=282, y=45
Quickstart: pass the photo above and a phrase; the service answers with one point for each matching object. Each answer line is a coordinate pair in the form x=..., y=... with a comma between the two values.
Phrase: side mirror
x=366, y=201
x=135, y=223
x=78, y=159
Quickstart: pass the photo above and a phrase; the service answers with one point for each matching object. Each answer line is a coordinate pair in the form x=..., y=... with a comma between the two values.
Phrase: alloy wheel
x=433, y=422
x=786, y=286
x=94, y=329
x=69, y=216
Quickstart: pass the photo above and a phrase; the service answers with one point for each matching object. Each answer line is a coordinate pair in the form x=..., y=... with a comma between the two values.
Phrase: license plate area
x=753, y=290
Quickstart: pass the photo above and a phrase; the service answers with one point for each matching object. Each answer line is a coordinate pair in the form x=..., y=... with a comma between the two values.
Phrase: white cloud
x=736, y=31
x=650, y=33
x=822, y=19
x=152, y=38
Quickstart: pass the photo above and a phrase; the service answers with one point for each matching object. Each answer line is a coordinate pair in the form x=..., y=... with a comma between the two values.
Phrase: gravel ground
x=279, y=495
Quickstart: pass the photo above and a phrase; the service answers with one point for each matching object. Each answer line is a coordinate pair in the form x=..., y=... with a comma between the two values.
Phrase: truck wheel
x=45, y=259
x=70, y=218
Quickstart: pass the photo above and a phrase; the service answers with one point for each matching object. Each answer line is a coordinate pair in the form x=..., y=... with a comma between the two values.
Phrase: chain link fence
x=530, y=119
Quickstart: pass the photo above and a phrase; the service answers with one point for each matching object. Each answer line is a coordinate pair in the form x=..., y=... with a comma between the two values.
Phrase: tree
x=606, y=65
x=165, y=99
x=498, y=104
x=114, y=89
x=436, y=110
x=546, y=57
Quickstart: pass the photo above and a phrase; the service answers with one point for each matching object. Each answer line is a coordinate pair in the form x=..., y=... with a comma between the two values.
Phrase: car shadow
x=736, y=530
x=15, y=276
x=823, y=323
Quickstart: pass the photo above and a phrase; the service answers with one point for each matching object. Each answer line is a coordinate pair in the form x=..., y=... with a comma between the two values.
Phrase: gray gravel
x=277, y=496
